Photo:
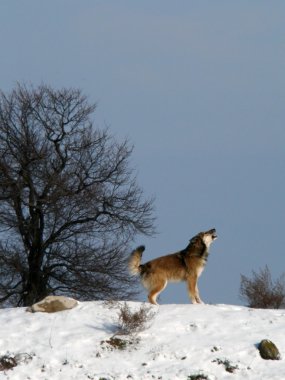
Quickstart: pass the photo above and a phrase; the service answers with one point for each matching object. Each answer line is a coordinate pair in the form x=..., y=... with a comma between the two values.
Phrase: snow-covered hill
x=181, y=342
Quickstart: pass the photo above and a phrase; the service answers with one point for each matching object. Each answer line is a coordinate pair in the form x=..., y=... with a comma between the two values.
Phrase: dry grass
x=133, y=322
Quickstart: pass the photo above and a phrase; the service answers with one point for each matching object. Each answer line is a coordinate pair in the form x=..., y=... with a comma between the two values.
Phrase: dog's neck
x=208, y=241
x=202, y=251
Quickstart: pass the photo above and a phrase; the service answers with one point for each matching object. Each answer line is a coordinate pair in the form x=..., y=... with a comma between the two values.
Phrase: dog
x=185, y=265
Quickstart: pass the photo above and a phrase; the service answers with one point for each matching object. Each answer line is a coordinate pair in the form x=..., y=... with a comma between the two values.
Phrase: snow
x=181, y=340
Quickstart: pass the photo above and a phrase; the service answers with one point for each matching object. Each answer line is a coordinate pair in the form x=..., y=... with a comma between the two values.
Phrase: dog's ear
x=196, y=239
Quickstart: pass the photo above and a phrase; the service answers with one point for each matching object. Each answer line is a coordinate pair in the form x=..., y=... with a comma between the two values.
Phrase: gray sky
x=198, y=87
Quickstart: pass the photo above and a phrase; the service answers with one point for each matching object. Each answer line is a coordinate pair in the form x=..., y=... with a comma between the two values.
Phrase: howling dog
x=186, y=265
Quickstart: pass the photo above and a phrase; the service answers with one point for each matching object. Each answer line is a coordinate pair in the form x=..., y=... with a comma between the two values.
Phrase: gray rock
x=52, y=304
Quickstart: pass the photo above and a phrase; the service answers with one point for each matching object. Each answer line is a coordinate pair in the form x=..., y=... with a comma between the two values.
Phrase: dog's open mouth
x=213, y=233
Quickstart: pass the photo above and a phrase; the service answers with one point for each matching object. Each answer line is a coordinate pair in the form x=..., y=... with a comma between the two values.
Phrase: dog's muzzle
x=213, y=233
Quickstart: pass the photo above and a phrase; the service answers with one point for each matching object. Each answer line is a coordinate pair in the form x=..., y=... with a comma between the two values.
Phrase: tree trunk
x=35, y=287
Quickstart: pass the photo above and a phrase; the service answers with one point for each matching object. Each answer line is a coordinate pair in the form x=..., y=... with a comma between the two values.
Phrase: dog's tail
x=135, y=260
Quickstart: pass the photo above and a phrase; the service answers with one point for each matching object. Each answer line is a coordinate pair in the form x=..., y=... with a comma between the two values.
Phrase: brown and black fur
x=186, y=265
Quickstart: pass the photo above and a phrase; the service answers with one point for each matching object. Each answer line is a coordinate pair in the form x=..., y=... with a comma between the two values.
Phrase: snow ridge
x=183, y=341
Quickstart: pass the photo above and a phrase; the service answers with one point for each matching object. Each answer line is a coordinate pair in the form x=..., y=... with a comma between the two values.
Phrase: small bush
x=134, y=322
x=7, y=362
x=261, y=291
x=198, y=377
x=115, y=343
x=227, y=365
x=129, y=323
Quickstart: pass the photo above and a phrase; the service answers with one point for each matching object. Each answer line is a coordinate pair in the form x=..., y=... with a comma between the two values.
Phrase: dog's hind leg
x=154, y=293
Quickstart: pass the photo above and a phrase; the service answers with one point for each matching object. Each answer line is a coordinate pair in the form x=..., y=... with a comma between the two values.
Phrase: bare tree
x=69, y=202
x=261, y=291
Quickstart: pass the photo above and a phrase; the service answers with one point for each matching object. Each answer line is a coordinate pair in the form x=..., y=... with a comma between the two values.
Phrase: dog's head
x=206, y=237
x=209, y=236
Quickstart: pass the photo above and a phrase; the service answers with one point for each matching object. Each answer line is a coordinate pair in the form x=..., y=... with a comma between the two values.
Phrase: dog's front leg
x=197, y=295
x=191, y=283
x=193, y=289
